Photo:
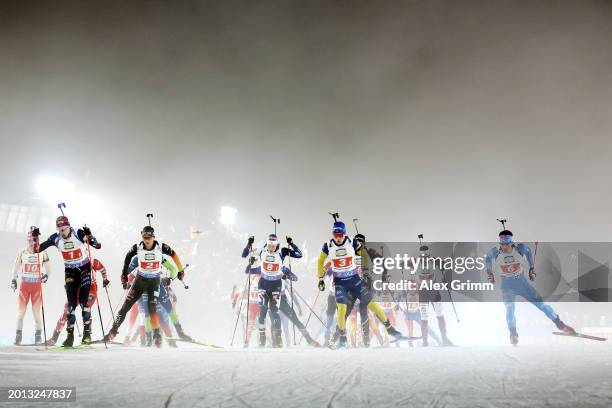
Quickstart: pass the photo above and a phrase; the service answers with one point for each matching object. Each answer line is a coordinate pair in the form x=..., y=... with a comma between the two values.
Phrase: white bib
x=271, y=265
x=30, y=266
x=342, y=258
x=150, y=261
x=509, y=264
x=73, y=251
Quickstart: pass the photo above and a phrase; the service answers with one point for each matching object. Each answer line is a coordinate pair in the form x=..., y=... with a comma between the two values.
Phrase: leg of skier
x=287, y=311
x=22, y=305
x=72, y=283
x=441, y=323
x=263, y=312
x=526, y=290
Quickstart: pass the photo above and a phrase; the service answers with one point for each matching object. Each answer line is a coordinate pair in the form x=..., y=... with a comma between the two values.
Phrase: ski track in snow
x=568, y=375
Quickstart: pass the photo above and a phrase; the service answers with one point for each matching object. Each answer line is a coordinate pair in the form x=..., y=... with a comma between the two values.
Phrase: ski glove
x=290, y=275
x=321, y=285
x=124, y=282
x=44, y=278
x=532, y=274
x=14, y=285
x=105, y=283
x=87, y=231
x=491, y=277
x=180, y=275
x=289, y=240
x=36, y=232
x=251, y=240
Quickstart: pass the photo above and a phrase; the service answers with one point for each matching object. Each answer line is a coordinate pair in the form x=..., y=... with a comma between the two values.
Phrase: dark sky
x=432, y=117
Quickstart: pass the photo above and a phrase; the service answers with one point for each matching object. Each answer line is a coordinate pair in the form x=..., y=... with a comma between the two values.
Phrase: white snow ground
x=575, y=374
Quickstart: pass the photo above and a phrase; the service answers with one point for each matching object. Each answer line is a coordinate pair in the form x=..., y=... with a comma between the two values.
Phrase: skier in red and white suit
x=27, y=263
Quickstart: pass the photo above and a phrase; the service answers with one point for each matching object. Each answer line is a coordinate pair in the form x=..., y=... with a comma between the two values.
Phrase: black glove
x=14, y=285
x=124, y=282
x=87, y=231
x=180, y=275
x=321, y=285
x=251, y=240
x=252, y=260
x=44, y=278
x=166, y=282
x=36, y=232
x=105, y=283
x=289, y=240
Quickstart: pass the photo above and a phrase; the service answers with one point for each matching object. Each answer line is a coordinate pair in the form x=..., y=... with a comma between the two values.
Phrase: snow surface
x=575, y=374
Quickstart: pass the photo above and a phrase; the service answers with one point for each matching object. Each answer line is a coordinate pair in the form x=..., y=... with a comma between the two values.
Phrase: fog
x=415, y=117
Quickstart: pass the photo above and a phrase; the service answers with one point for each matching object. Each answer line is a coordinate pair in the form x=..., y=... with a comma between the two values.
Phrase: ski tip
x=580, y=336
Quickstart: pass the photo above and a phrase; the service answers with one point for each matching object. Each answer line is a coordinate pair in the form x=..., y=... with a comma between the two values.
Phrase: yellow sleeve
x=320, y=264
x=365, y=260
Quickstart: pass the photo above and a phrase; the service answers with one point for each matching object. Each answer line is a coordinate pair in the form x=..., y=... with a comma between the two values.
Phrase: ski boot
x=38, y=338
x=53, y=339
x=277, y=339
x=334, y=338
x=157, y=338
x=86, y=334
x=172, y=343
x=143, y=340
x=424, y=333
x=341, y=338
x=262, y=338
x=311, y=342
x=365, y=336
x=69, y=338
x=181, y=333
x=127, y=341
x=18, y=337
x=563, y=327
x=392, y=331
x=111, y=334
x=148, y=339
x=514, y=338
x=442, y=326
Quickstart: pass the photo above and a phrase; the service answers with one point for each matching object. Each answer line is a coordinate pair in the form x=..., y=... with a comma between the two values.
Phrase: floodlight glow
x=228, y=215
x=54, y=189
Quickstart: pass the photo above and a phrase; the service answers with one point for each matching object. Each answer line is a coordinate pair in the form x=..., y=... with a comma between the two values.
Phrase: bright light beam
x=228, y=215
x=54, y=189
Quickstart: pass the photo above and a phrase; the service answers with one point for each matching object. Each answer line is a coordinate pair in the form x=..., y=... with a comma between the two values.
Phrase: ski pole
x=42, y=301
x=240, y=308
x=248, y=295
x=291, y=290
x=314, y=303
x=93, y=281
x=110, y=304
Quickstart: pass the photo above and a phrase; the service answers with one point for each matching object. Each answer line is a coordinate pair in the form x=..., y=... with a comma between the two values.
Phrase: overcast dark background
x=413, y=116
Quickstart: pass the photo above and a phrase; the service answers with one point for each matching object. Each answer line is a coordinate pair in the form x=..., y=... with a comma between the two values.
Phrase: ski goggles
x=505, y=239
x=338, y=235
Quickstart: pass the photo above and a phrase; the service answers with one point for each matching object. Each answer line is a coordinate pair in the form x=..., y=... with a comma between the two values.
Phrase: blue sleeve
x=355, y=245
x=245, y=252
x=294, y=252
x=526, y=252
x=133, y=264
x=48, y=243
x=491, y=255
x=325, y=248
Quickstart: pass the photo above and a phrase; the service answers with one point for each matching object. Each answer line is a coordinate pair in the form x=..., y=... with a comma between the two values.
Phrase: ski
x=77, y=347
x=581, y=335
x=404, y=338
x=201, y=343
x=101, y=341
